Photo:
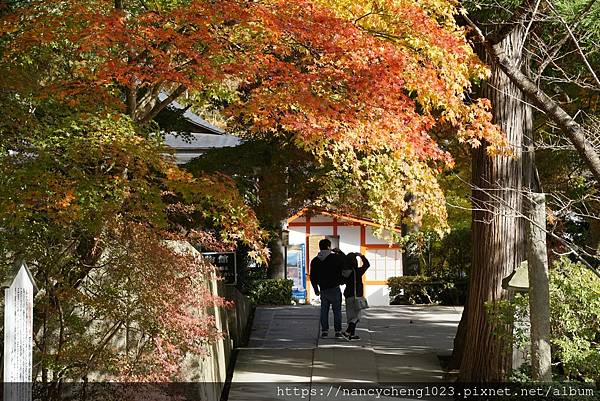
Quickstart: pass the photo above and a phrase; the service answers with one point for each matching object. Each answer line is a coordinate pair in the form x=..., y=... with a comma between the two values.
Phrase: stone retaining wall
x=211, y=371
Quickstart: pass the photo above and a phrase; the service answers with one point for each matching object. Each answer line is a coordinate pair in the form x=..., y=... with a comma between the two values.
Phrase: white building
x=350, y=234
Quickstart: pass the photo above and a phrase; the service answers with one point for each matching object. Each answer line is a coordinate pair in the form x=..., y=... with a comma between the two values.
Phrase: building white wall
x=297, y=235
x=372, y=239
x=349, y=238
x=321, y=230
x=376, y=294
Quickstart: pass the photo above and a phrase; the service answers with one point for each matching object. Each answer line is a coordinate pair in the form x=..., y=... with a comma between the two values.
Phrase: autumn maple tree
x=351, y=81
x=362, y=86
x=89, y=204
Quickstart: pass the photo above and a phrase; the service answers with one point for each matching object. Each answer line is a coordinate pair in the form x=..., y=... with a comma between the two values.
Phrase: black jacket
x=356, y=276
x=326, y=273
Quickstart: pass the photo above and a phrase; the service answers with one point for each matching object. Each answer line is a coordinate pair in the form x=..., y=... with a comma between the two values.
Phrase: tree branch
x=564, y=40
x=148, y=97
x=576, y=43
x=517, y=18
x=554, y=112
x=537, y=5
x=161, y=105
x=489, y=192
x=131, y=93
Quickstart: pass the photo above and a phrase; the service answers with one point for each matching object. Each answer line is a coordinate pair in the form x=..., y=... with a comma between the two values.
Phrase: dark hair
x=324, y=244
x=351, y=261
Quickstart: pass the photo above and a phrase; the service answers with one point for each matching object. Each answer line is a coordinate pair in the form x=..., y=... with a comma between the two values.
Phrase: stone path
x=285, y=358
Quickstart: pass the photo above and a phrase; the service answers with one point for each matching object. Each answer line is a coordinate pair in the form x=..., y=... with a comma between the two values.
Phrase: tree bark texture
x=460, y=340
x=498, y=232
x=594, y=237
x=539, y=289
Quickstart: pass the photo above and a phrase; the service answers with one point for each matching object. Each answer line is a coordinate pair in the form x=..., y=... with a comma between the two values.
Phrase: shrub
x=414, y=289
x=574, y=319
x=454, y=292
x=271, y=292
x=426, y=290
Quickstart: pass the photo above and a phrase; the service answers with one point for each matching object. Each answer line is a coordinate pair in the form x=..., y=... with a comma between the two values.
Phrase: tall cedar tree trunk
x=498, y=232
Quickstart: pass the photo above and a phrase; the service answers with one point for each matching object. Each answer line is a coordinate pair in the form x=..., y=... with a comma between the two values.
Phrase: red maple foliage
x=300, y=66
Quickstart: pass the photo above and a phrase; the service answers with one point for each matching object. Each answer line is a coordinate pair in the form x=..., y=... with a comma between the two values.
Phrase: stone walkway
x=285, y=358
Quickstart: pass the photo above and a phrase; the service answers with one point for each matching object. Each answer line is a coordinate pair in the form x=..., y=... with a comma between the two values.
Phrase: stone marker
x=18, y=336
x=539, y=290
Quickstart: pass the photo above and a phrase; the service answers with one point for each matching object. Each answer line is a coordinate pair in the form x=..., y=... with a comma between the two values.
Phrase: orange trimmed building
x=350, y=234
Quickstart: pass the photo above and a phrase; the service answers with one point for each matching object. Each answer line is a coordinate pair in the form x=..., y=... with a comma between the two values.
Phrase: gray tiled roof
x=189, y=146
x=201, y=141
x=193, y=118
x=193, y=145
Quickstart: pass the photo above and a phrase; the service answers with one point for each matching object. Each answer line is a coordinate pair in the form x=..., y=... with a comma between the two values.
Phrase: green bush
x=271, y=292
x=448, y=257
x=426, y=290
x=574, y=320
x=417, y=289
x=248, y=276
x=514, y=314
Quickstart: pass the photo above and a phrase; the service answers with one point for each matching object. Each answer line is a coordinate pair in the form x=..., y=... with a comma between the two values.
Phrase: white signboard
x=18, y=336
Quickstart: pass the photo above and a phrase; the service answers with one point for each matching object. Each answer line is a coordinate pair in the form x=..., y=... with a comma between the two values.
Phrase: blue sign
x=296, y=270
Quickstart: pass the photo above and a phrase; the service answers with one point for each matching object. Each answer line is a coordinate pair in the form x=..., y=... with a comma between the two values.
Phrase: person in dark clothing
x=351, y=279
x=326, y=277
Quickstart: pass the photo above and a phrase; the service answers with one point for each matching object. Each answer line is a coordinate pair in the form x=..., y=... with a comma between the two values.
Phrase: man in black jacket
x=326, y=277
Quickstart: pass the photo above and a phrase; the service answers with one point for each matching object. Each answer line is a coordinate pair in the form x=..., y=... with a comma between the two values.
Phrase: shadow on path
x=398, y=344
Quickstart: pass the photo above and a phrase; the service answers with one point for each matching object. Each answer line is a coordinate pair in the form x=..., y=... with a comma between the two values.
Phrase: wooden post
x=539, y=289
